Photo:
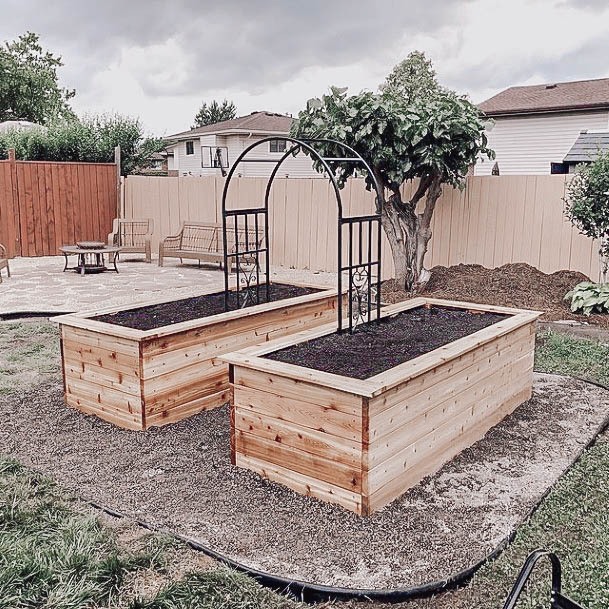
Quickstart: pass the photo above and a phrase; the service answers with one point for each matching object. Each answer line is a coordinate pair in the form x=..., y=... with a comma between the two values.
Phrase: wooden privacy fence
x=44, y=205
x=495, y=220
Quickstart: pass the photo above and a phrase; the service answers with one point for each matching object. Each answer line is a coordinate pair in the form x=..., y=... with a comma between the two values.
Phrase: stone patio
x=38, y=285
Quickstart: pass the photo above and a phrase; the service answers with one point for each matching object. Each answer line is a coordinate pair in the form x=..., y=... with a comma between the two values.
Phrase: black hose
x=311, y=593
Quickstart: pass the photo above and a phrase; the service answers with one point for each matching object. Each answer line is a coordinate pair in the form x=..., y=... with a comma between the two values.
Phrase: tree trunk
x=408, y=234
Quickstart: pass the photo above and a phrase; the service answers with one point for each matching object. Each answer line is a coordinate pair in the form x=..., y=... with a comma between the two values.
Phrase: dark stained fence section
x=45, y=205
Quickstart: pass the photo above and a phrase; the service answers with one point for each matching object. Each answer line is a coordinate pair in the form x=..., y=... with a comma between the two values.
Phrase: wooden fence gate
x=44, y=205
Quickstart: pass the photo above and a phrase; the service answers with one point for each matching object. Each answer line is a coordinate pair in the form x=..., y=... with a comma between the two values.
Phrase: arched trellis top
x=246, y=240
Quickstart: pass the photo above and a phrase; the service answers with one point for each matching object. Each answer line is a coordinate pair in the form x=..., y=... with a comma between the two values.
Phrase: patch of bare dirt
x=179, y=478
x=514, y=285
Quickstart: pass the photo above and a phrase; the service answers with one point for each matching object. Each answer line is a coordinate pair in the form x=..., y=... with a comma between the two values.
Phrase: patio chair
x=3, y=262
x=132, y=236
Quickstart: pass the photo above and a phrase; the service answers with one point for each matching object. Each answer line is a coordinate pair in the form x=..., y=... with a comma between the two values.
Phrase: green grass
x=562, y=354
x=29, y=354
x=53, y=555
x=572, y=521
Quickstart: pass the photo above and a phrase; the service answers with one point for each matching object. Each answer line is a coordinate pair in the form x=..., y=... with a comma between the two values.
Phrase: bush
x=589, y=297
x=91, y=140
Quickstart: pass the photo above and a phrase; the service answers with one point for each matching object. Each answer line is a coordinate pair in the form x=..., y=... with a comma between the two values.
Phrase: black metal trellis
x=246, y=240
x=557, y=599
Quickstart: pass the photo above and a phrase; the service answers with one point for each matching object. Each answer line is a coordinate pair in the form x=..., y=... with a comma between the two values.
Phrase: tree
x=29, y=88
x=214, y=113
x=412, y=129
x=91, y=139
x=587, y=202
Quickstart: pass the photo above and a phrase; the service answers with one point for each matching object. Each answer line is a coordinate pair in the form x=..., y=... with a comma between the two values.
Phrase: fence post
x=15, y=228
x=117, y=162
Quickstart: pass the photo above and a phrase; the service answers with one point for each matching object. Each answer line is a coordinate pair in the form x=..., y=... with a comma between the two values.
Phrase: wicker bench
x=132, y=236
x=203, y=241
x=3, y=262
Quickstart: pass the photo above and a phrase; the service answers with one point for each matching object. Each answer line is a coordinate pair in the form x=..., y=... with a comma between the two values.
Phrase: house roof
x=550, y=97
x=587, y=146
x=256, y=122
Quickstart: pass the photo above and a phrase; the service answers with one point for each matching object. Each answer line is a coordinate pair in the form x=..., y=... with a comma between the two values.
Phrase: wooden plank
x=342, y=450
x=100, y=340
x=299, y=461
x=322, y=417
x=305, y=485
x=178, y=412
x=114, y=379
x=104, y=396
x=106, y=413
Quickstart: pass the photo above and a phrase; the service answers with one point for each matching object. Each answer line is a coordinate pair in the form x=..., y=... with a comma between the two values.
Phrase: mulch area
x=179, y=478
x=513, y=285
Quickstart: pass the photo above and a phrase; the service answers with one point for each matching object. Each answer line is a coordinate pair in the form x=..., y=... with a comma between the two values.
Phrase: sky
x=160, y=59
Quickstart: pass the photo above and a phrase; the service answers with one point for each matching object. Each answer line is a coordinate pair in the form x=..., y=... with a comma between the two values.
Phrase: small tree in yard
x=413, y=128
x=588, y=205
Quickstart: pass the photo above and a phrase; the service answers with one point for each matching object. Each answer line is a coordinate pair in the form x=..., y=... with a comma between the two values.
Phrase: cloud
x=215, y=45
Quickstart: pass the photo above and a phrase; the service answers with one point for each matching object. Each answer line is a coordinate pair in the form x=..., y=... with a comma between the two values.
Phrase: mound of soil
x=514, y=285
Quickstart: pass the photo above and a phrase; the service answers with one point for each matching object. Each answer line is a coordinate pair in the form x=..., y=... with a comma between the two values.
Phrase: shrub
x=589, y=297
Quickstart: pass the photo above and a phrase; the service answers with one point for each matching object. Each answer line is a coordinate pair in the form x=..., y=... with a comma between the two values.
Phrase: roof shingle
x=553, y=97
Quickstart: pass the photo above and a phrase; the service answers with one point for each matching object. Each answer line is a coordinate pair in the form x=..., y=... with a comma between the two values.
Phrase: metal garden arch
x=248, y=251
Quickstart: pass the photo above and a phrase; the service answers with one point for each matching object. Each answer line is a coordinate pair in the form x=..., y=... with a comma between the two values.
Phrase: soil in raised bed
x=377, y=347
x=155, y=316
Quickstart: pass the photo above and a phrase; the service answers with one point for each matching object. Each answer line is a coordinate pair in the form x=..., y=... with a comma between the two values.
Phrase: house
x=208, y=150
x=534, y=127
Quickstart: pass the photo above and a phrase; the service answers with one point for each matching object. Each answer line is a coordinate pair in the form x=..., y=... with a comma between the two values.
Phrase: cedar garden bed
x=361, y=440
x=156, y=364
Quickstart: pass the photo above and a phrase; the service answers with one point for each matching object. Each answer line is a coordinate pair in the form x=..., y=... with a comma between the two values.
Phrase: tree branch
x=424, y=184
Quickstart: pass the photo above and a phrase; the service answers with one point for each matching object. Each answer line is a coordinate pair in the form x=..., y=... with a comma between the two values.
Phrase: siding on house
x=528, y=144
x=299, y=167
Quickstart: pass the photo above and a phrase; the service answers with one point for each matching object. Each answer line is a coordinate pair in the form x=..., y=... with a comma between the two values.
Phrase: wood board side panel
x=305, y=485
x=412, y=476
x=471, y=420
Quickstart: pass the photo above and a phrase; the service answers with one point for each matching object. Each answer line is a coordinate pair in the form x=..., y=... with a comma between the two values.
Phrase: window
x=190, y=147
x=214, y=156
x=559, y=168
x=277, y=146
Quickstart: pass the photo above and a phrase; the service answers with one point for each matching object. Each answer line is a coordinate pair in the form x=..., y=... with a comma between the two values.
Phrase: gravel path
x=179, y=477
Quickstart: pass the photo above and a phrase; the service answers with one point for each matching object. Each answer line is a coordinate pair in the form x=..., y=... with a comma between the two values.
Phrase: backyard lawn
x=56, y=551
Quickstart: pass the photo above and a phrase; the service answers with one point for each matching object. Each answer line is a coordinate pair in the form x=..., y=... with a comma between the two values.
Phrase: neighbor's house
x=536, y=126
x=201, y=151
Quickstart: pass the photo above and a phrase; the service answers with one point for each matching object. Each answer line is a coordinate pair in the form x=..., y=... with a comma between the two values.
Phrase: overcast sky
x=159, y=59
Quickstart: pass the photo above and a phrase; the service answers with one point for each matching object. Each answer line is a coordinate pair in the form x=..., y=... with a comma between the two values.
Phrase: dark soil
x=165, y=314
x=513, y=285
x=377, y=347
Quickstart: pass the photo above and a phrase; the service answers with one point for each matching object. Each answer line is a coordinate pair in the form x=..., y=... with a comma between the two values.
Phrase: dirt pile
x=515, y=285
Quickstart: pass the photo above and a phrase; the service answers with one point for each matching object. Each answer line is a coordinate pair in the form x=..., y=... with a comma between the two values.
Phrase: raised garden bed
x=151, y=365
x=362, y=439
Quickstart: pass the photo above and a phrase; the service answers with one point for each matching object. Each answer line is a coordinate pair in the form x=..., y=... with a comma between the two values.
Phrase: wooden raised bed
x=362, y=443
x=137, y=379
